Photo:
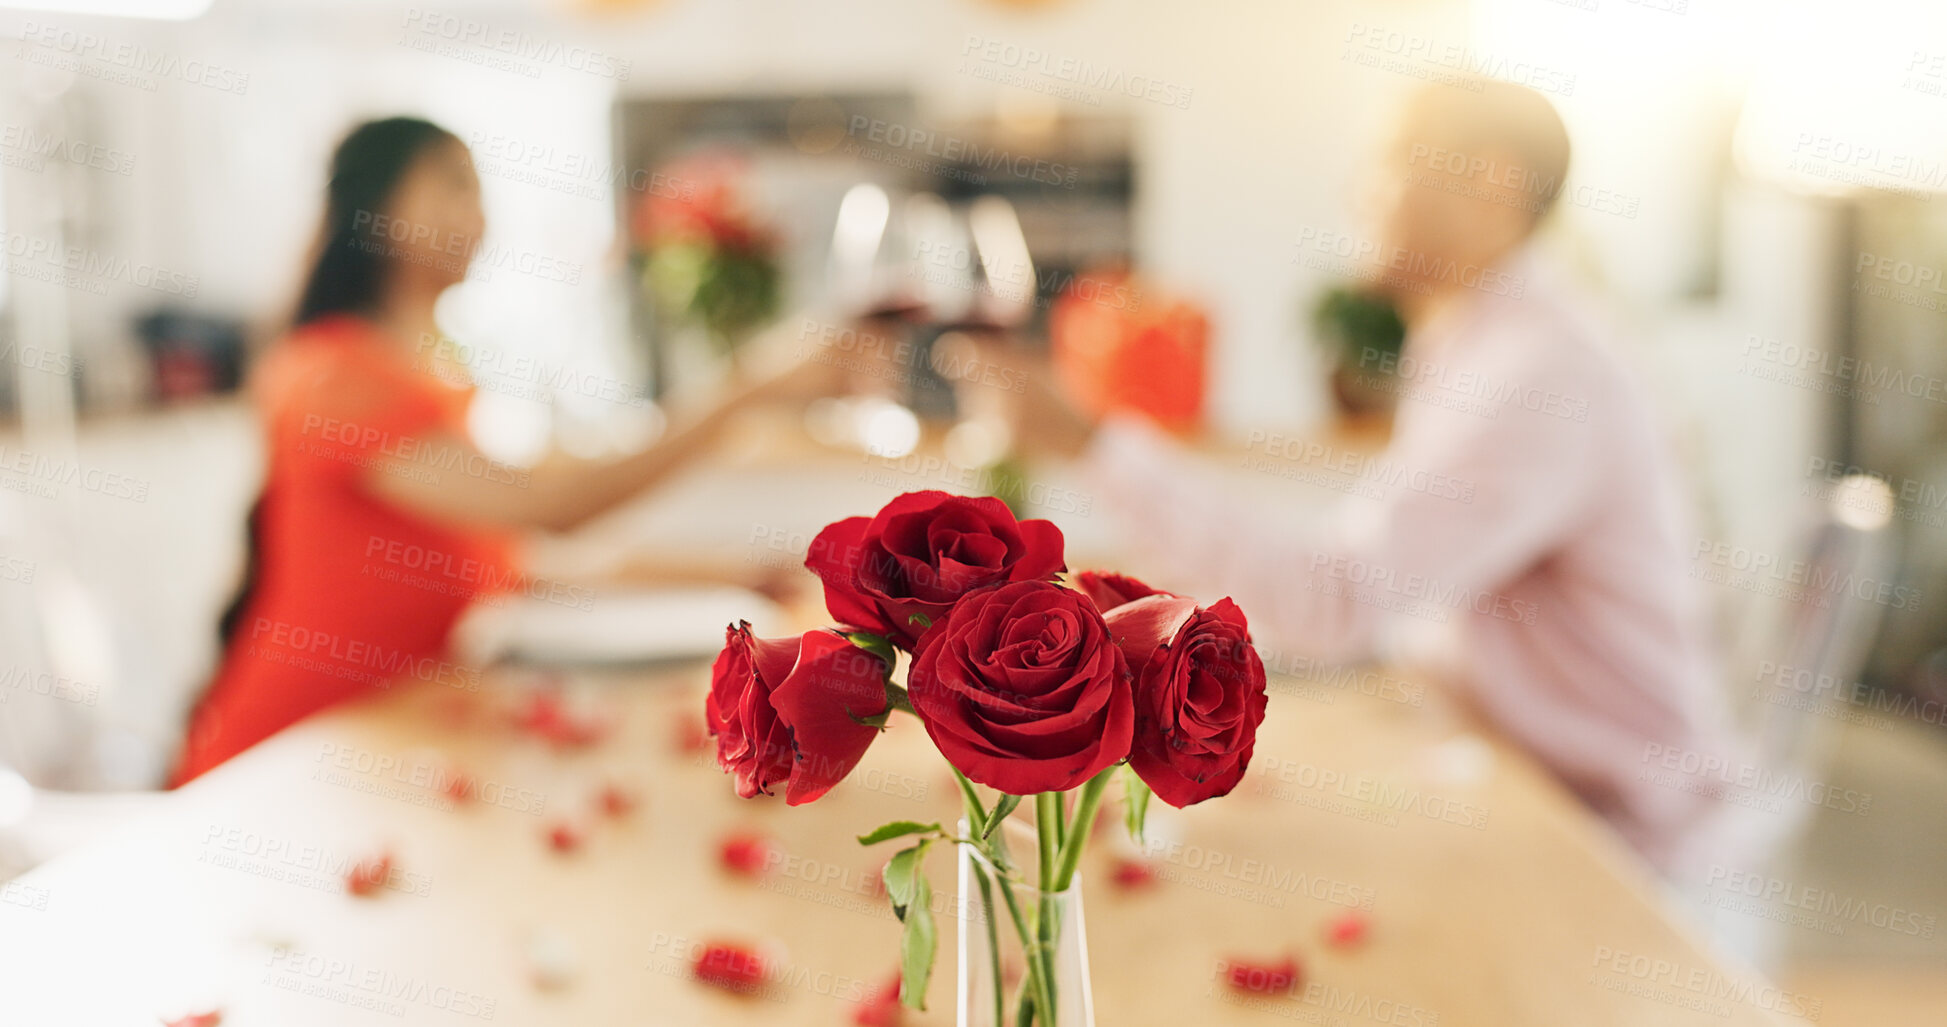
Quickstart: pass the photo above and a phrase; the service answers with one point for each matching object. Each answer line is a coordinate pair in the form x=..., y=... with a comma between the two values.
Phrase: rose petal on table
x=369, y=875
x=614, y=800
x=459, y=786
x=881, y=1008
x=747, y=854
x=538, y=711
x=578, y=732
x=211, y=1018
x=564, y=837
x=544, y=714
x=1348, y=929
x=1263, y=978
x=730, y=966
x=551, y=960
x=691, y=734
x=1132, y=874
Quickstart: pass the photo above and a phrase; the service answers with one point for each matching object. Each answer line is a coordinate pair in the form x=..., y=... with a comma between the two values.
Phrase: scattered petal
x=210, y=1018
x=1263, y=978
x=747, y=854
x=731, y=967
x=543, y=714
x=615, y=800
x=459, y=786
x=692, y=735
x=369, y=875
x=881, y=1008
x=1133, y=874
x=1348, y=929
x=564, y=837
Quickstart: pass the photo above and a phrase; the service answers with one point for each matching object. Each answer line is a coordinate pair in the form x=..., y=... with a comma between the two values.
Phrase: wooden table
x=1493, y=899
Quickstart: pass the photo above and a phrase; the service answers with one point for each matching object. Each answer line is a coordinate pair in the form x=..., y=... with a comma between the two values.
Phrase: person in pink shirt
x=1534, y=539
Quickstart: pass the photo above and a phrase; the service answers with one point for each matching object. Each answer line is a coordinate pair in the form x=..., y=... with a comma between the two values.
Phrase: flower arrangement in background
x=1044, y=693
x=708, y=260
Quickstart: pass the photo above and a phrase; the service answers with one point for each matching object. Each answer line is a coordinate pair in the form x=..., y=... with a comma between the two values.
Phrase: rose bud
x=747, y=854
x=898, y=573
x=369, y=875
x=1348, y=929
x=1263, y=978
x=1200, y=694
x=730, y=966
x=794, y=711
x=1109, y=591
x=1023, y=689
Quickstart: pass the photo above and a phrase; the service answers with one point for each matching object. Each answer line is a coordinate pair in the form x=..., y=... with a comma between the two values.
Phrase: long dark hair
x=346, y=273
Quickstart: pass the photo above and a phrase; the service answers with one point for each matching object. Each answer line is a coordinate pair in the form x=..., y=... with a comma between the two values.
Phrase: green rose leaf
x=1001, y=810
x=918, y=945
x=903, y=878
x=896, y=829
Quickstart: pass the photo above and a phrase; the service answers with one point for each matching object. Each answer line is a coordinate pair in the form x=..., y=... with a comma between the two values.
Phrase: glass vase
x=1022, y=950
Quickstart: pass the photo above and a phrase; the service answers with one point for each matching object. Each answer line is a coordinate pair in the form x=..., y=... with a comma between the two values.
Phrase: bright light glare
x=886, y=428
x=856, y=238
x=1832, y=107
x=1862, y=501
x=165, y=10
x=862, y=218
x=1003, y=253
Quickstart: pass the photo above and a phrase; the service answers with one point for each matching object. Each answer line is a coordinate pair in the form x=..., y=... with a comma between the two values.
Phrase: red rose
x=788, y=710
x=901, y=571
x=1200, y=694
x=1110, y=590
x=1023, y=689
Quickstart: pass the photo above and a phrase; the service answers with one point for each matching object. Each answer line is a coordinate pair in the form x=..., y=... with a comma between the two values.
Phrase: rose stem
x=976, y=813
x=1085, y=810
x=976, y=819
x=1048, y=824
x=993, y=941
x=1037, y=972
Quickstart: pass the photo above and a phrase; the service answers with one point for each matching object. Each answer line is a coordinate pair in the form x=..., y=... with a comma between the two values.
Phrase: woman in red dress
x=371, y=477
